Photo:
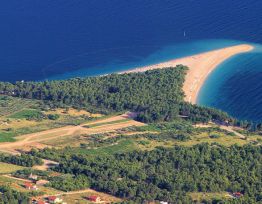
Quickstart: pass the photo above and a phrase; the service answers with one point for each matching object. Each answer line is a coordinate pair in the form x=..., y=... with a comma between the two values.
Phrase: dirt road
x=227, y=128
x=35, y=139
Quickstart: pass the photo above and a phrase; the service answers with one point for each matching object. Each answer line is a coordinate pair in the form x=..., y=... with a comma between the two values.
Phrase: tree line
x=168, y=174
x=23, y=160
x=156, y=95
x=9, y=196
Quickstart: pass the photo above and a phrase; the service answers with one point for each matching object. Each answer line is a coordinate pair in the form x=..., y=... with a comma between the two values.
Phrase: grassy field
x=120, y=146
x=10, y=105
x=9, y=168
x=127, y=141
x=26, y=114
x=73, y=112
x=106, y=123
x=199, y=197
x=223, y=139
x=131, y=138
x=81, y=197
x=23, y=116
x=7, y=136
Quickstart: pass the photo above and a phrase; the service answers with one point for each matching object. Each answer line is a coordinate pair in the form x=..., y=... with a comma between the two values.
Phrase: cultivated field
x=9, y=168
x=42, y=139
x=23, y=116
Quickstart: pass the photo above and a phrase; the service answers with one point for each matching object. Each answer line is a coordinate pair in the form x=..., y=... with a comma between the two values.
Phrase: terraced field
x=39, y=139
x=22, y=116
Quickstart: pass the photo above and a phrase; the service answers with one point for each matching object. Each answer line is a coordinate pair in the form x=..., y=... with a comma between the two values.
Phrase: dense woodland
x=69, y=183
x=9, y=196
x=156, y=95
x=168, y=174
x=23, y=160
x=163, y=174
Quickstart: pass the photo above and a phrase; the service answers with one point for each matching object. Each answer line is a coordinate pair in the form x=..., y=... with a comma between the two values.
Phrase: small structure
x=41, y=202
x=30, y=186
x=54, y=199
x=32, y=176
x=237, y=194
x=41, y=182
x=94, y=198
x=163, y=202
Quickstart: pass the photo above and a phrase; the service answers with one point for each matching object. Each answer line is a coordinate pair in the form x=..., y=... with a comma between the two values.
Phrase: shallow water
x=236, y=85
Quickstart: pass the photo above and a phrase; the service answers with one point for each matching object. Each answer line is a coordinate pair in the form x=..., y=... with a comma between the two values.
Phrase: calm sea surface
x=54, y=39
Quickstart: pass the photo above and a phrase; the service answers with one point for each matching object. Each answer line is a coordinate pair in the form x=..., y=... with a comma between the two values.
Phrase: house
x=237, y=194
x=41, y=202
x=30, y=186
x=41, y=182
x=54, y=199
x=94, y=198
x=163, y=202
x=32, y=176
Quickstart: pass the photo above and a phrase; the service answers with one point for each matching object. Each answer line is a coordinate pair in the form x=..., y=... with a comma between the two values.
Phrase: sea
x=58, y=39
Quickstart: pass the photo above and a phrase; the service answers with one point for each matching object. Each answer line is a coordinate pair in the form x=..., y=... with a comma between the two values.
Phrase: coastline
x=200, y=66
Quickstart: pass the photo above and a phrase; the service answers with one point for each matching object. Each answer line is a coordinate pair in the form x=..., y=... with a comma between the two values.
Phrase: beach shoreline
x=200, y=66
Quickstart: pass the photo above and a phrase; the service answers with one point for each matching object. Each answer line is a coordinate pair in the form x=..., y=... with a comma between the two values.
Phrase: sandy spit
x=200, y=66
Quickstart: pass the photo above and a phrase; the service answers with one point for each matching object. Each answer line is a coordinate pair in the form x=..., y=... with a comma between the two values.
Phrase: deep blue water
x=55, y=39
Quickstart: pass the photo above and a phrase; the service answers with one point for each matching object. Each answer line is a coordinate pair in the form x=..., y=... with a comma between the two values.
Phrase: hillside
x=129, y=138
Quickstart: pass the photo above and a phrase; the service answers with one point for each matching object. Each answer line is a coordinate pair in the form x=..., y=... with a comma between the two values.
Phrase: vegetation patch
x=206, y=197
x=168, y=174
x=7, y=136
x=29, y=114
x=6, y=168
x=121, y=146
x=106, y=123
x=214, y=136
x=69, y=182
x=156, y=95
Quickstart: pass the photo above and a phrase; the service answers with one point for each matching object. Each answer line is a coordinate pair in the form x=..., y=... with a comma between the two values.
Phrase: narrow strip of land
x=200, y=66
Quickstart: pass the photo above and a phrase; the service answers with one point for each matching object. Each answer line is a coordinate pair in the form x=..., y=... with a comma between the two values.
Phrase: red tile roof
x=52, y=198
x=28, y=185
x=237, y=193
x=93, y=198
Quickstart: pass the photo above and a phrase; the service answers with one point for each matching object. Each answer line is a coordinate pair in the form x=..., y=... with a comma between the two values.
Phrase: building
x=237, y=194
x=30, y=186
x=54, y=199
x=94, y=198
x=41, y=202
x=32, y=176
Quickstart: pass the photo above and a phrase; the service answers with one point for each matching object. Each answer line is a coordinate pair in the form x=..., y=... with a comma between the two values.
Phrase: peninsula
x=200, y=66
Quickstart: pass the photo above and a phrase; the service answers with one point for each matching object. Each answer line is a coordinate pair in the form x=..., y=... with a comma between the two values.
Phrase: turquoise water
x=235, y=86
x=164, y=54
